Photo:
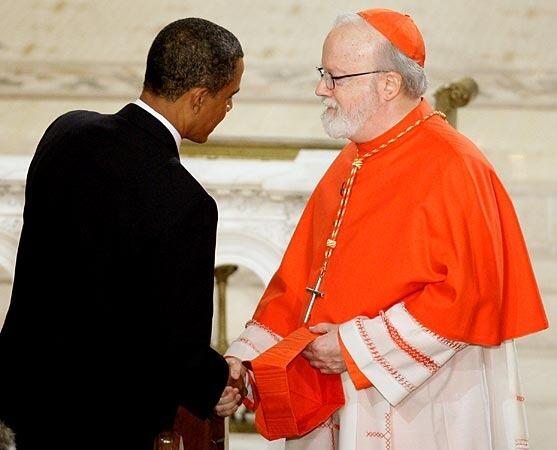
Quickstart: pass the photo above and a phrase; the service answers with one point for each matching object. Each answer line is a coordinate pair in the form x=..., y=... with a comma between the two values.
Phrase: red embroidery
x=249, y=343
x=521, y=444
x=414, y=353
x=387, y=434
x=255, y=323
x=331, y=426
x=380, y=359
x=454, y=345
x=520, y=398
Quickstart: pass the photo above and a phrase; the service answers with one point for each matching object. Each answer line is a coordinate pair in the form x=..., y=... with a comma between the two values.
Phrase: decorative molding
x=260, y=203
x=256, y=148
x=69, y=80
x=269, y=216
x=262, y=83
x=11, y=225
x=12, y=197
x=505, y=88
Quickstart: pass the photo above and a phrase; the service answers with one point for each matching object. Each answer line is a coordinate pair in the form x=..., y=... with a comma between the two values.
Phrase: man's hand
x=237, y=370
x=324, y=352
x=235, y=389
x=229, y=402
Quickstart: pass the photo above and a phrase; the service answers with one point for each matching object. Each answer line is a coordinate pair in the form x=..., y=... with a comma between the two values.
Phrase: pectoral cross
x=315, y=292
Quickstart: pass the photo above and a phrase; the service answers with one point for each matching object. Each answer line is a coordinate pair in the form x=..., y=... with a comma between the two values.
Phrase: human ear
x=198, y=98
x=393, y=85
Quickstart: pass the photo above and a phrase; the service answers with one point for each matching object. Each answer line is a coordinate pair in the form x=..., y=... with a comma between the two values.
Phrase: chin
x=329, y=114
x=199, y=139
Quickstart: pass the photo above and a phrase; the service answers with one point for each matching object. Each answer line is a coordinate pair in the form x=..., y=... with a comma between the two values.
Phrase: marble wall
x=58, y=55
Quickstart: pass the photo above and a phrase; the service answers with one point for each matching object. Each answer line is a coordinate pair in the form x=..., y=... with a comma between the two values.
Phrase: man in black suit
x=109, y=324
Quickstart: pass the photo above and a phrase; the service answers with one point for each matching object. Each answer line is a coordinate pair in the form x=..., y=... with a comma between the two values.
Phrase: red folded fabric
x=294, y=398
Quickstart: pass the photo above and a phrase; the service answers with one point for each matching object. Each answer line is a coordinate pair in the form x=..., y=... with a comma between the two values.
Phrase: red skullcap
x=399, y=29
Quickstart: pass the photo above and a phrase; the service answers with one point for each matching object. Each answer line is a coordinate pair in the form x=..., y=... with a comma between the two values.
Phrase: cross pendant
x=315, y=292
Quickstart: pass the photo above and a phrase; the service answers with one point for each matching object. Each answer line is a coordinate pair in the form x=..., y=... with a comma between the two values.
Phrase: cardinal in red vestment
x=391, y=319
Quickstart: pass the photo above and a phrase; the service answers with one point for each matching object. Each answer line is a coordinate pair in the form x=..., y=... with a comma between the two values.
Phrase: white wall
x=58, y=55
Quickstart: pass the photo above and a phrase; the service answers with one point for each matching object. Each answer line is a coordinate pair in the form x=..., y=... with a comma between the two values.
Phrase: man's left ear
x=393, y=85
x=198, y=98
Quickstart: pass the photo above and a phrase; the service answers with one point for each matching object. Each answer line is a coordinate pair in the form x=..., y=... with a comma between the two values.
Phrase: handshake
x=235, y=390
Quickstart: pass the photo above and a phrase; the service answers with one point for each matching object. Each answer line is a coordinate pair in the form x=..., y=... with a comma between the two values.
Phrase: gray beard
x=343, y=125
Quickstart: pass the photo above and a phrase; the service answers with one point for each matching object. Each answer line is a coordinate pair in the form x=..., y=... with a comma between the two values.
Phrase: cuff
x=358, y=378
x=395, y=352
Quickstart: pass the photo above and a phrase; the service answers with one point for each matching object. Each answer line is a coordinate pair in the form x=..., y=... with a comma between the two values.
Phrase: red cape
x=428, y=223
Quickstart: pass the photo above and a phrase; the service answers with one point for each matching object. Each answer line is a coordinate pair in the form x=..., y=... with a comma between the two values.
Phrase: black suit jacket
x=110, y=320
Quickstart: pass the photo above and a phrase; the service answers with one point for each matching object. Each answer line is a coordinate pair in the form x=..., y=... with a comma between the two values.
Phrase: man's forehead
x=348, y=44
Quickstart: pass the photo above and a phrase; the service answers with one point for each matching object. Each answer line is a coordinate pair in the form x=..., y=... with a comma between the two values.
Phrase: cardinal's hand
x=324, y=352
x=235, y=390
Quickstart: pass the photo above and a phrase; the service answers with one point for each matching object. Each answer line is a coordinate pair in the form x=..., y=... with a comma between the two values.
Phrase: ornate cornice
x=12, y=197
x=498, y=87
x=265, y=198
x=61, y=80
x=11, y=225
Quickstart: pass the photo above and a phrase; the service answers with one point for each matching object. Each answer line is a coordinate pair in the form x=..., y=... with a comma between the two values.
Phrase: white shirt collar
x=163, y=120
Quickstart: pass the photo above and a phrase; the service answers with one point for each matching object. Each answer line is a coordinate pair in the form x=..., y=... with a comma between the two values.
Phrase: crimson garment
x=429, y=224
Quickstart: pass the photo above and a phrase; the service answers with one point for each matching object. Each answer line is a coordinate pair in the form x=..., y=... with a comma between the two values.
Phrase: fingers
x=327, y=368
x=229, y=394
x=226, y=410
x=228, y=402
x=322, y=328
x=314, y=349
x=316, y=363
x=237, y=371
x=236, y=368
x=321, y=364
x=325, y=363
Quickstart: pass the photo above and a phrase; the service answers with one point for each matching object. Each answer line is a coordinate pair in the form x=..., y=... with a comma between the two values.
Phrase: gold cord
x=357, y=164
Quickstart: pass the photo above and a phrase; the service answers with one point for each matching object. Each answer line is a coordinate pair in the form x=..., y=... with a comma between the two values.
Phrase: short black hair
x=191, y=53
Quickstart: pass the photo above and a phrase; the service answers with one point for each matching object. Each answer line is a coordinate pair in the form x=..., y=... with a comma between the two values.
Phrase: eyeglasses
x=330, y=79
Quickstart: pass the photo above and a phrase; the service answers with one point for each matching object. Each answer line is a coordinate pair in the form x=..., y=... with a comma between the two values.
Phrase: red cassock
x=429, y=224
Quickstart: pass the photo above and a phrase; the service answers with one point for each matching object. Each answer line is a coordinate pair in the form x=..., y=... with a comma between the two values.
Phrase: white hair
x=414, y=79
x=345, y=123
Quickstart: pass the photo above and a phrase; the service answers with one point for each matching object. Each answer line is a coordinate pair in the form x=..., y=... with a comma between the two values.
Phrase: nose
x=321, y=90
